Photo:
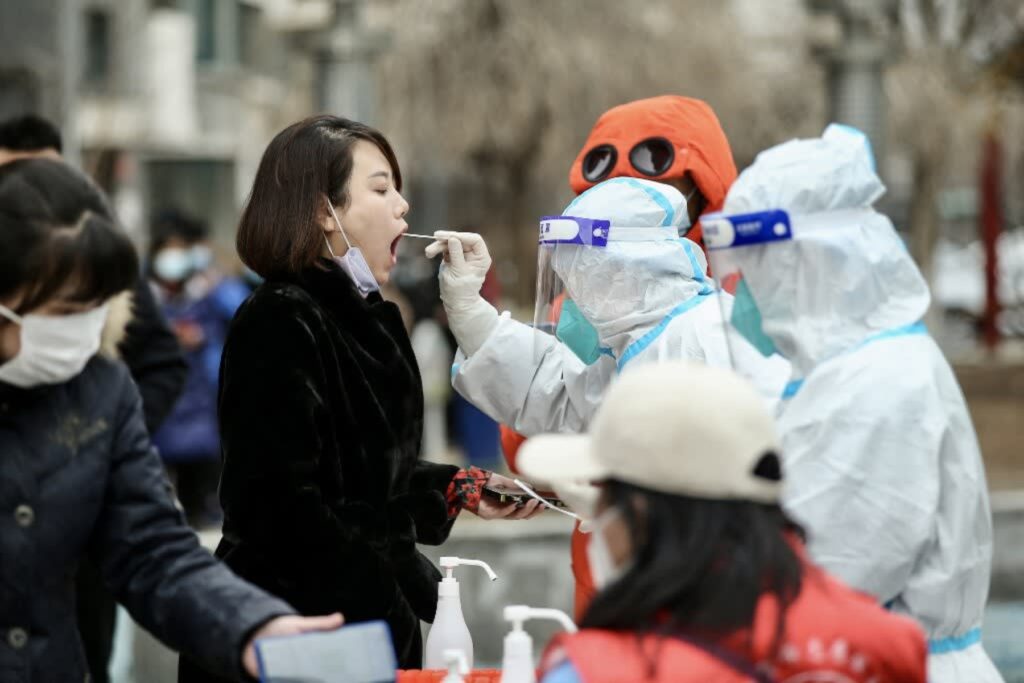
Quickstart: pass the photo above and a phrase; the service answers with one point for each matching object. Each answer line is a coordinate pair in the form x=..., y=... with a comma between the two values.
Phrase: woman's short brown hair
x=280, y=231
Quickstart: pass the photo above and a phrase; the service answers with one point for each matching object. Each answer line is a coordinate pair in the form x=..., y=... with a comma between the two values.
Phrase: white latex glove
x=465, y=265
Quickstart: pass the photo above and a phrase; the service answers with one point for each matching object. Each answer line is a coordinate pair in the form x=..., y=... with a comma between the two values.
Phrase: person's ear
x=328, y=224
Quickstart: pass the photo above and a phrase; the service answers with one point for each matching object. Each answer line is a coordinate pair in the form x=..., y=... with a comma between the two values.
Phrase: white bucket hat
x=675, y=427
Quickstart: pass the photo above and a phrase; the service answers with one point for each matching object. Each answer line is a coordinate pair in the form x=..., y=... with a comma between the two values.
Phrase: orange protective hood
x=690, y=125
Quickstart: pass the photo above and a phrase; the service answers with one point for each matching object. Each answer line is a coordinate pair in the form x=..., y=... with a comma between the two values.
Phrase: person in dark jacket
x=321, y=402
x=142, y=339
x=136, y=333
x=78, y=477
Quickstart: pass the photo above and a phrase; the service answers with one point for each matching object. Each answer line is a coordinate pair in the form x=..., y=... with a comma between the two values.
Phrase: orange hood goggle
x=661, y=138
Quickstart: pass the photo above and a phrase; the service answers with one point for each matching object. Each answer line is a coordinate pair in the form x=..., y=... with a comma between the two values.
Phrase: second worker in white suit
x=883, y=467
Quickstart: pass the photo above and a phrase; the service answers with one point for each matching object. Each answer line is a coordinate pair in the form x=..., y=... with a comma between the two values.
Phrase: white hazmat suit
x=882, y=465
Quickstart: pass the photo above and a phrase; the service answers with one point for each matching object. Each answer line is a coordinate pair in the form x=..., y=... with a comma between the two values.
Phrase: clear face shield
x=739, y=245
x=562, y=240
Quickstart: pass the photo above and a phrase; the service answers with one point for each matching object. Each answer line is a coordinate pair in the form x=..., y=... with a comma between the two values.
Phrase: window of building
x=206, y=30
x=98, y=45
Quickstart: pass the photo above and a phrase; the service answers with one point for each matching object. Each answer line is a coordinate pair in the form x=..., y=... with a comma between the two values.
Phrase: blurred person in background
x=199, y=302
x=78, y=475
x=700, y=574
x=674, y=140
x=321, y=403
x=434, y=357
x=135, y=332
x=882, y=461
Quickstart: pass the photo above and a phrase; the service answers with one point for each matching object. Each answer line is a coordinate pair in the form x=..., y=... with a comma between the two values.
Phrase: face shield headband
x=561, y=246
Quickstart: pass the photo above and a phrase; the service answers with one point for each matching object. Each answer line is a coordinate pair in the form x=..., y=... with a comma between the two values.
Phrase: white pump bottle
x=449, y=631
x=517, y=664
x=457, y=666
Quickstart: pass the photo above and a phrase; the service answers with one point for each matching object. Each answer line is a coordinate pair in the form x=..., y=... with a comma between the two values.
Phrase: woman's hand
x=492, y=509
x=291, y=625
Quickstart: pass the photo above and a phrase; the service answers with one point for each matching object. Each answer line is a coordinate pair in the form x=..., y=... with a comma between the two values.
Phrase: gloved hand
x=465, y=265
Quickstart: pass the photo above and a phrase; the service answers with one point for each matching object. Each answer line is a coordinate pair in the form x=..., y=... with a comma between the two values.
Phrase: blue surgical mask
x=746, y=318
x=202, y=257
x=353, y=262
x=577, y=333
x=173, y=264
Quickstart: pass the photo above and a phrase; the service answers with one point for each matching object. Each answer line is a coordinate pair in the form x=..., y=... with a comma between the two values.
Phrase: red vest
x=832, y=635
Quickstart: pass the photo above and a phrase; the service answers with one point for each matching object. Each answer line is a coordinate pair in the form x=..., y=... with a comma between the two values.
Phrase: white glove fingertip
x=434, y=248
x=455, y=252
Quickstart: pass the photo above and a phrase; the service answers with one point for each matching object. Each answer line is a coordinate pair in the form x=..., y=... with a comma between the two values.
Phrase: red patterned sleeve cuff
x=465, y=490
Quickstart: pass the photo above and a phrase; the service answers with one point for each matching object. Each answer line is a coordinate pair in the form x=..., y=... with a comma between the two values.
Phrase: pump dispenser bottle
x=449, y=631
x=517, y=664
x=457, y=666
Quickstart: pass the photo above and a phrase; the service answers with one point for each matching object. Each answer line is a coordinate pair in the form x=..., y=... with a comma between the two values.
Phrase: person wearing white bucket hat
x=884, y=466
x=701, y=575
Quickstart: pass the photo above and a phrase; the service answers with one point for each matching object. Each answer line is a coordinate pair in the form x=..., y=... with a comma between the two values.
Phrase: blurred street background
x=169, y=104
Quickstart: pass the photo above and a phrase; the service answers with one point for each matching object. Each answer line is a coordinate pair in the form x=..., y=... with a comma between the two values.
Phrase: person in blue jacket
x=199, y=302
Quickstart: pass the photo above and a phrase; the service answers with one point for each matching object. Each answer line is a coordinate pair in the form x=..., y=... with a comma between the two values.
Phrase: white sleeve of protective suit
x=531, y=382
x=861, y=460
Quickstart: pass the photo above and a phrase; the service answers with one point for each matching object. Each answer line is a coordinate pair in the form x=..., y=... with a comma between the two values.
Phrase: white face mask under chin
x=353, y=262
x=602, y=565
x=54, y=348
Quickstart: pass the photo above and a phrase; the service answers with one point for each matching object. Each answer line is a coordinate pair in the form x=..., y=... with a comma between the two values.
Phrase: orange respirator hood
x=701, y=148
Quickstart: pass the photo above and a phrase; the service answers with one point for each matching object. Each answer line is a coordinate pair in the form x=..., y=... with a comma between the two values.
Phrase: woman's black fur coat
x=324, y=495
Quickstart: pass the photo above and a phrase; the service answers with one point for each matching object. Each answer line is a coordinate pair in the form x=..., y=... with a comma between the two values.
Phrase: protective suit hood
x=826, y=290
x=627, y=286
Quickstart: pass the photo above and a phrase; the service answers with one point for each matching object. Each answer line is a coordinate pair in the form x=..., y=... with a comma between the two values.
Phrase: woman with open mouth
x=320, y=399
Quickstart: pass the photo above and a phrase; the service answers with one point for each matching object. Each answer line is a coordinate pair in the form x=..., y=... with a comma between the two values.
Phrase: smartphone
x=514, y=494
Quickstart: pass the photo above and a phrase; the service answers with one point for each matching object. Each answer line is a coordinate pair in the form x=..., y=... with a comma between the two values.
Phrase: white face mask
x=54, y=348
x=353, y=262
x=602, y=565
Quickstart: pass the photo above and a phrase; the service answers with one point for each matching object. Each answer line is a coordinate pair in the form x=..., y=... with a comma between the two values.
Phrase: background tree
x=945, y=91
x=497, y=96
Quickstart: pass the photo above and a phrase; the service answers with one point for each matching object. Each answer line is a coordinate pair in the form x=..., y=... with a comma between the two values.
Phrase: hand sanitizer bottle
x=517, y=664
x=449, y=631
x=457, y=666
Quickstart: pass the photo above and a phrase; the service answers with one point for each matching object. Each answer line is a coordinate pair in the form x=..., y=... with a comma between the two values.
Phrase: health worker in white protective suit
x=881, y=459
x=617, y=256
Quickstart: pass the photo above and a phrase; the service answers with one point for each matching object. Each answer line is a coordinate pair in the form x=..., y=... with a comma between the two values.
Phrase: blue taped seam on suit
x=913, y=329
x=956, y=644
x=698, y=274
x=659, y=199
x=792, y=388
x=643, y=342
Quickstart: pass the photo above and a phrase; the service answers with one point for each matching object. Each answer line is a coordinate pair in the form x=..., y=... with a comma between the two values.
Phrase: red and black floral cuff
x=465, y=490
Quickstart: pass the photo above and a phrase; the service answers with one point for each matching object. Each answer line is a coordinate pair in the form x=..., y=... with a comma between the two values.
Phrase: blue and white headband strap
x=761, y=227
x=597, y=232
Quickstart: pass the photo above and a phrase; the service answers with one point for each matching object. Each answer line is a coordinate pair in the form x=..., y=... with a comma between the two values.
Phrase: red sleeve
x=510, y=443
x=465, y=490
